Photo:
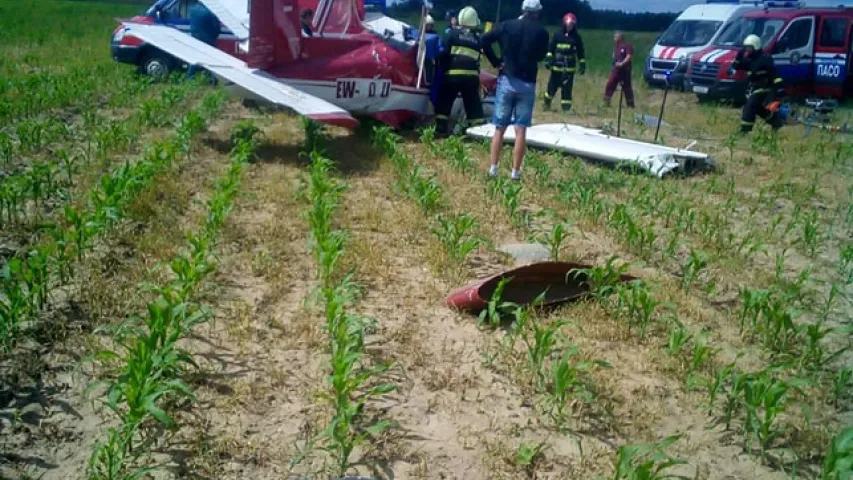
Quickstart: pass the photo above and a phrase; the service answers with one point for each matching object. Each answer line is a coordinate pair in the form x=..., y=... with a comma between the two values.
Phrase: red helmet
x=569, y=19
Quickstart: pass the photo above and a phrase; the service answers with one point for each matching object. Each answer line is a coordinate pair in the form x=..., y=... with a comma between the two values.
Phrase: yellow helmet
x=752, y=41
x=468, y=18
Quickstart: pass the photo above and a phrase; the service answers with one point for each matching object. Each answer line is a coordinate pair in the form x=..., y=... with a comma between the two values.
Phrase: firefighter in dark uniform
x=765, y=86
x=565, y=56
x=460, y=62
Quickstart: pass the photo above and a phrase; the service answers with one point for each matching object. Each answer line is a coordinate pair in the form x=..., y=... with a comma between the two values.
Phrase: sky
x=678, y=5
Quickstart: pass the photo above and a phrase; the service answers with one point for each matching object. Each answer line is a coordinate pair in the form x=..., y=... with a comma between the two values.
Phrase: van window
x=736, y=32
x=689, y=33
x=798, y=35
x=832, y=32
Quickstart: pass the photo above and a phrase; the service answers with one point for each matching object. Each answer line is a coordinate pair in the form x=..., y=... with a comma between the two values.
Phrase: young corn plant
x=697, y=261
x=734, y=393
x=636, y=304
x=457, y=235
x=528, y=455
x=721, y=378
x=764, y=398
x=810, y=236
x=555, y=238
x=512, y=201
x=541, y=340
x=427, y=137
x=352, y=380
x=497, y=308
x=646, y=461
x=778, y=330
x=838, y=463
x=812, y=355
x=522, y=315
x=679, y=337
x=601, y=281
x=424, y=190
x=753, y=302
x=14, y=304
x=842, y=385
x=570, y=381
x=352, y=387
x=457, y=155
x=543, y=173
x=702, y=352
x=112, y=459
x=845, y=265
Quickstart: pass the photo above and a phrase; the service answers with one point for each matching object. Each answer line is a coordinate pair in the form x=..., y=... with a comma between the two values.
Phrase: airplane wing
x=258, y=82
x=233, y=13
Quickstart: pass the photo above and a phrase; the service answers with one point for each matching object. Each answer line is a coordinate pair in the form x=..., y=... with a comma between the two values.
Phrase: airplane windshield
x=735, y=33
x=689, y=33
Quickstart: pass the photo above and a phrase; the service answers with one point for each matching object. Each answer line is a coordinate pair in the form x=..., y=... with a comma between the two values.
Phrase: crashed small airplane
x=349, y=67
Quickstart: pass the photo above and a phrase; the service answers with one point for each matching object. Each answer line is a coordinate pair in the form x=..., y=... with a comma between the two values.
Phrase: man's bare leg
x=518, y=151
x=497, y=141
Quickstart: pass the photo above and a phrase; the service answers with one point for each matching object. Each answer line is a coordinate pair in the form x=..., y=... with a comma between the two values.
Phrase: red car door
x=832, y=55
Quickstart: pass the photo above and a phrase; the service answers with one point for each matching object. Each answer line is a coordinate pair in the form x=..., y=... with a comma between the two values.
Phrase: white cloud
x=679, y=5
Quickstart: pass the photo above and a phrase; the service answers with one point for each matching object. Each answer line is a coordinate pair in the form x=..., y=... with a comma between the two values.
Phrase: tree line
x=552, y=13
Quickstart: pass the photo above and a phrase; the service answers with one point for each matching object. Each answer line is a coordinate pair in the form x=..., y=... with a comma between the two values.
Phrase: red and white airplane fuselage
x=342, y=69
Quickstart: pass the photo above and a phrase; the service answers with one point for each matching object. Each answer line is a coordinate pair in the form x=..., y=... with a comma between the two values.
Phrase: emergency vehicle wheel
x=458, y=117
x=156, y=64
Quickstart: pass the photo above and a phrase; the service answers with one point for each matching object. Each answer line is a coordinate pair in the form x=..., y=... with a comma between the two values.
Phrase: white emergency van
x=695, y=29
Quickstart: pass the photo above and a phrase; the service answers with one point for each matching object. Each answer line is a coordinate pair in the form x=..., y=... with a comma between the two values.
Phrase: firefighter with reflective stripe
x=460, y=61
x=765, y=86
x=565, y=56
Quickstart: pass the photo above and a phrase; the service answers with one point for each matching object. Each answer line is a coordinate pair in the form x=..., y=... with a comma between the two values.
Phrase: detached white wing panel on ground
x=235, y=70
x=233, y=13
x=589, y=143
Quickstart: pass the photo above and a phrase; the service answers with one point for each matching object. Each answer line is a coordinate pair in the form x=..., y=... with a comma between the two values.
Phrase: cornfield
x=190, y=287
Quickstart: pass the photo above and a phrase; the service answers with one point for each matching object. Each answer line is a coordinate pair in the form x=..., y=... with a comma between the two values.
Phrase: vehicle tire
x=458, y=117
x=156, y=64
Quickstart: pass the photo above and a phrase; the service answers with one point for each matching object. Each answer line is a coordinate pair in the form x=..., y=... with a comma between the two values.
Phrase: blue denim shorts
x=514, y=101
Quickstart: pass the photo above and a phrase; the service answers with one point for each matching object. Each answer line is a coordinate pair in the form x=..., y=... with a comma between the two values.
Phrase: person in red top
x=623, y=53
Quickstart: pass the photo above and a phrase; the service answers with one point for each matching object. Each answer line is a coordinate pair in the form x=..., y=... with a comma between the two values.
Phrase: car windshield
x=765, y=28
x=689, y=33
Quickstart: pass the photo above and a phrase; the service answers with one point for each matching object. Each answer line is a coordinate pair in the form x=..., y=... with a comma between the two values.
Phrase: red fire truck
x=811, y=49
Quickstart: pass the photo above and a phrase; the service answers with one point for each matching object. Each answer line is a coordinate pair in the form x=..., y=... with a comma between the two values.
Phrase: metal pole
x=421, y=58
x=498, y=16
x=619, y=116
x=660, y=116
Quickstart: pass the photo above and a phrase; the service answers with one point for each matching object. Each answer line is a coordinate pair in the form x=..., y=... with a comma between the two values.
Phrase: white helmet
x=752, y=41
x=531, y=6
x=468, y=18
x=429, y=20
